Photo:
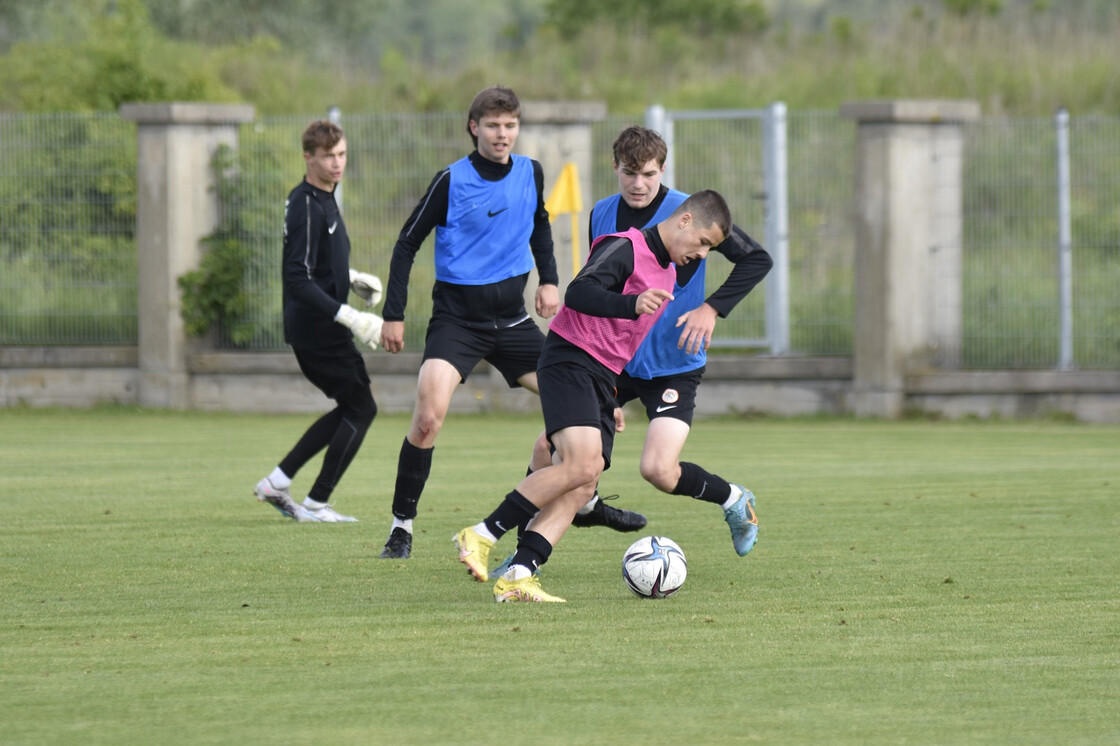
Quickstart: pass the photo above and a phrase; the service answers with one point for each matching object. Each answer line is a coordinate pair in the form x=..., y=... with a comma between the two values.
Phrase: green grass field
x=914, y=582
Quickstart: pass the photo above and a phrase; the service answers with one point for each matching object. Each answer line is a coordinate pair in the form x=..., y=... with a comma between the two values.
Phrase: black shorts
x=338, y=371
x=667, y=396
x=513, y=350
x=571, y=396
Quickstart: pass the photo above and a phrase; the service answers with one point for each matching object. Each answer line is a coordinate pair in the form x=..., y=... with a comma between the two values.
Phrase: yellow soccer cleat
x=474, y=552
x=526, y=589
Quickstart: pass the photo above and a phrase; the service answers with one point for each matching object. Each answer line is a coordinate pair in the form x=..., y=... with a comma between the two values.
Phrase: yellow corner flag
x=565, y=198
x=565, y=195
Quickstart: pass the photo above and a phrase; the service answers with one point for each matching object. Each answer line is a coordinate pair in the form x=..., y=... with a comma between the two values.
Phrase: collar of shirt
x=488, y=169
x=657, y=246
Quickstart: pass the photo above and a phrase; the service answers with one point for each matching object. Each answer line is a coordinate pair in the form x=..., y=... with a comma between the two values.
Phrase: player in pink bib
x=608, y=310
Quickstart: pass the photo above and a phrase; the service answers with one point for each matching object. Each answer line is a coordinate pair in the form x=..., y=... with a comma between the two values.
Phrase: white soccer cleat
x=324, y=513
x=303, y=515
x=278, y=498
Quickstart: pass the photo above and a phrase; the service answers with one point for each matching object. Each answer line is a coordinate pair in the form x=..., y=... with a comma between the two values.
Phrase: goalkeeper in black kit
x=321, y=328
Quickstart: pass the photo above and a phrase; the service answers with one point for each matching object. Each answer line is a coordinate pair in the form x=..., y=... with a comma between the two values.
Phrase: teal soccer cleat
x=743, y=522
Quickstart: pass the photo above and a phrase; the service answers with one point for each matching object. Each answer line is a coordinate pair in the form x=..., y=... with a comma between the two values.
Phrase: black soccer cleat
x=602, y=514
x=399, y=545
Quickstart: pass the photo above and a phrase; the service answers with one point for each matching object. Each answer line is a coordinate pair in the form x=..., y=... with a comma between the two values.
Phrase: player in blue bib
x=491, y=230
x=666, y=371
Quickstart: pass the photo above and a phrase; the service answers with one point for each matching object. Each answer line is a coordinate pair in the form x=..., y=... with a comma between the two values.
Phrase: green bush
x=213, y=296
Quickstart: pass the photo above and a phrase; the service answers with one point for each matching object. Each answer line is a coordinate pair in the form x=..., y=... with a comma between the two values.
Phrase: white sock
x=312, y=504
x=736, y=493
x=484, y=532
x=279, y=479
x=517, y=572
x=589, y=506
x=406, y=524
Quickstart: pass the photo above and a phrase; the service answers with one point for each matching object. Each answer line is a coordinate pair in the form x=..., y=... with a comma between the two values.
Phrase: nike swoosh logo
x=333, y=226
x=492, y=214
x=665, y=409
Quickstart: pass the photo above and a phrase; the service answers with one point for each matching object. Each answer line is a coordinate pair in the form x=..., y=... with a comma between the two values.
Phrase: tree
x=114, y=55
x=970, y=7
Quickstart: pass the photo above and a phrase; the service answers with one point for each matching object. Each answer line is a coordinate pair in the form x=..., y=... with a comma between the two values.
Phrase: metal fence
x=68, y=195
x=67, y=225
x=724, y=153
x=1016, y=261
x=759, y=181
x=390, y=161
x=693, y=165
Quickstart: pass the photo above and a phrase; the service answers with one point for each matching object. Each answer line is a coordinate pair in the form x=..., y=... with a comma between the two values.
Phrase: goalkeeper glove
x=366, y=326
x=366, y=286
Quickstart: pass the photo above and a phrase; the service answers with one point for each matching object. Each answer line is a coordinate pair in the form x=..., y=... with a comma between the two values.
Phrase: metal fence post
x=775, y=177
x=1065, y=241
x=334, y=115
x=777, y=227
x=657, y=119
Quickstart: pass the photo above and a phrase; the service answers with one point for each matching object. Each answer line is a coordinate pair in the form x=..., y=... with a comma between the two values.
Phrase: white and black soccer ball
x=654, y=567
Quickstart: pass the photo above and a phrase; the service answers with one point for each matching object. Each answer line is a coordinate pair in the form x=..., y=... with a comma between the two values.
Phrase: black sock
x=702, y=485
x=413, y=467
x=533, y=550
x=521, y=525
x=515, y=510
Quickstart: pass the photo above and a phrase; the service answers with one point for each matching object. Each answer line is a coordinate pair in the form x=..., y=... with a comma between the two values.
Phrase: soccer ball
x=654, y=567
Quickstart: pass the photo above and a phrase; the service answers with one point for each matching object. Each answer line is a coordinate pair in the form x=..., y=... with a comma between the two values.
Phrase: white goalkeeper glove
x=366, y=286
x=366, y=326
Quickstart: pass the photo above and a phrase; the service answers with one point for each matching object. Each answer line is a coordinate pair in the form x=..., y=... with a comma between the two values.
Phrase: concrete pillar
x=557, y=133
x=909, y=196
x=176, y=208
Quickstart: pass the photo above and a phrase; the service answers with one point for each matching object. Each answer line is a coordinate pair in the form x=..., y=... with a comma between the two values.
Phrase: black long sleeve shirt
x=487, y=306
x=750, y=262
x=316, y=268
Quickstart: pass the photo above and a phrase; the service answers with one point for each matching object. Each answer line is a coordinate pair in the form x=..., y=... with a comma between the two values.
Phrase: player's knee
x=428, y=425
x=662, y=476
x=583, y=475
x=359, y=407
x=367, y=412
